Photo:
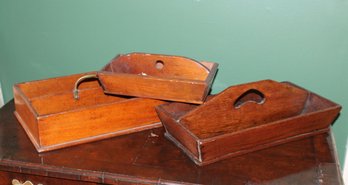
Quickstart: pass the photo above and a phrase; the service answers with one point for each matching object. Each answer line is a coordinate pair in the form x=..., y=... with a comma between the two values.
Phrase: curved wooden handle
x=82, y=78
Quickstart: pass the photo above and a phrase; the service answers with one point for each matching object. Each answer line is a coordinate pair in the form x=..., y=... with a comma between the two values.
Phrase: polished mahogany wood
x=53, y=119
x=158, y=76
x=245, y=118
x=149, y=158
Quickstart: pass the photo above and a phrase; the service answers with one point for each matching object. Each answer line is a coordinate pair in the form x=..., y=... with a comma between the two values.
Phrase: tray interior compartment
x=55, y=95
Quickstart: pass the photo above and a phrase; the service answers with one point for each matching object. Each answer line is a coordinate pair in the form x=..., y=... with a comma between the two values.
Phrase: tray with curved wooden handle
x=164, y=77
x=246, y=118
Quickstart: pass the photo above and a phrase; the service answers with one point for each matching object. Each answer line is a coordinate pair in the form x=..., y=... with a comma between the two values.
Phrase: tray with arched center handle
x=245, y=118
x=164, y=77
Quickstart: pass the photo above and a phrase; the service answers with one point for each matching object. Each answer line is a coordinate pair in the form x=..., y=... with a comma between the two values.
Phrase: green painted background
x=302, y=41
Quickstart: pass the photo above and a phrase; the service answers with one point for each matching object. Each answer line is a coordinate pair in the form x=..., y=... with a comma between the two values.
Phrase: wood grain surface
x=158, y=76
x=149, y=158
x=53, y=119
x=245, y=118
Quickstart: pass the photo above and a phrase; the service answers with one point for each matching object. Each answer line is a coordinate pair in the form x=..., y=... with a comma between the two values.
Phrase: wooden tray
x=53, y=119
x=246, y=118
x=158, y=76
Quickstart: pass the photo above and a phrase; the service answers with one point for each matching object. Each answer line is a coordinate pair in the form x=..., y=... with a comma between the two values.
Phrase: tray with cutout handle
x=245, y=118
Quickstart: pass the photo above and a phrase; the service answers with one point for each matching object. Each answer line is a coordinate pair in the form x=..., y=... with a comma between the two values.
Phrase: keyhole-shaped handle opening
x=250, y=96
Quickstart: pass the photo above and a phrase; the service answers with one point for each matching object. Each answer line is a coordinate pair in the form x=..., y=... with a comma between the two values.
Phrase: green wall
x=302, y=41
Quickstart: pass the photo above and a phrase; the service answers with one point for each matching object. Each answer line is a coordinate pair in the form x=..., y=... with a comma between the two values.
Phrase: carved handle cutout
x=250, y=96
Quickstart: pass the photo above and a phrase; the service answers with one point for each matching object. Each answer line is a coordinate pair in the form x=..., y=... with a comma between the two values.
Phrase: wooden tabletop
x=149, y=158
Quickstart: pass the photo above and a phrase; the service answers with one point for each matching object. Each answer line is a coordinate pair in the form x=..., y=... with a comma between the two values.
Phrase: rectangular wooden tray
x=245, y=118
x=53, y=119
x=157, y=76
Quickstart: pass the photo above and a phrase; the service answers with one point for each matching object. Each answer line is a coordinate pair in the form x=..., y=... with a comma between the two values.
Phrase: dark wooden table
x=148, y=158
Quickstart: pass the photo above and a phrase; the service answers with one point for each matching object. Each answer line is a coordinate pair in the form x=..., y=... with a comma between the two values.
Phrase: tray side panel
x=65, y=102
x=26, y=115
x=152, y=87
x=55, y=86
x=178, y=132
x=127, y=115
x=159, y=66
x=210, y=79
x=222, y=147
